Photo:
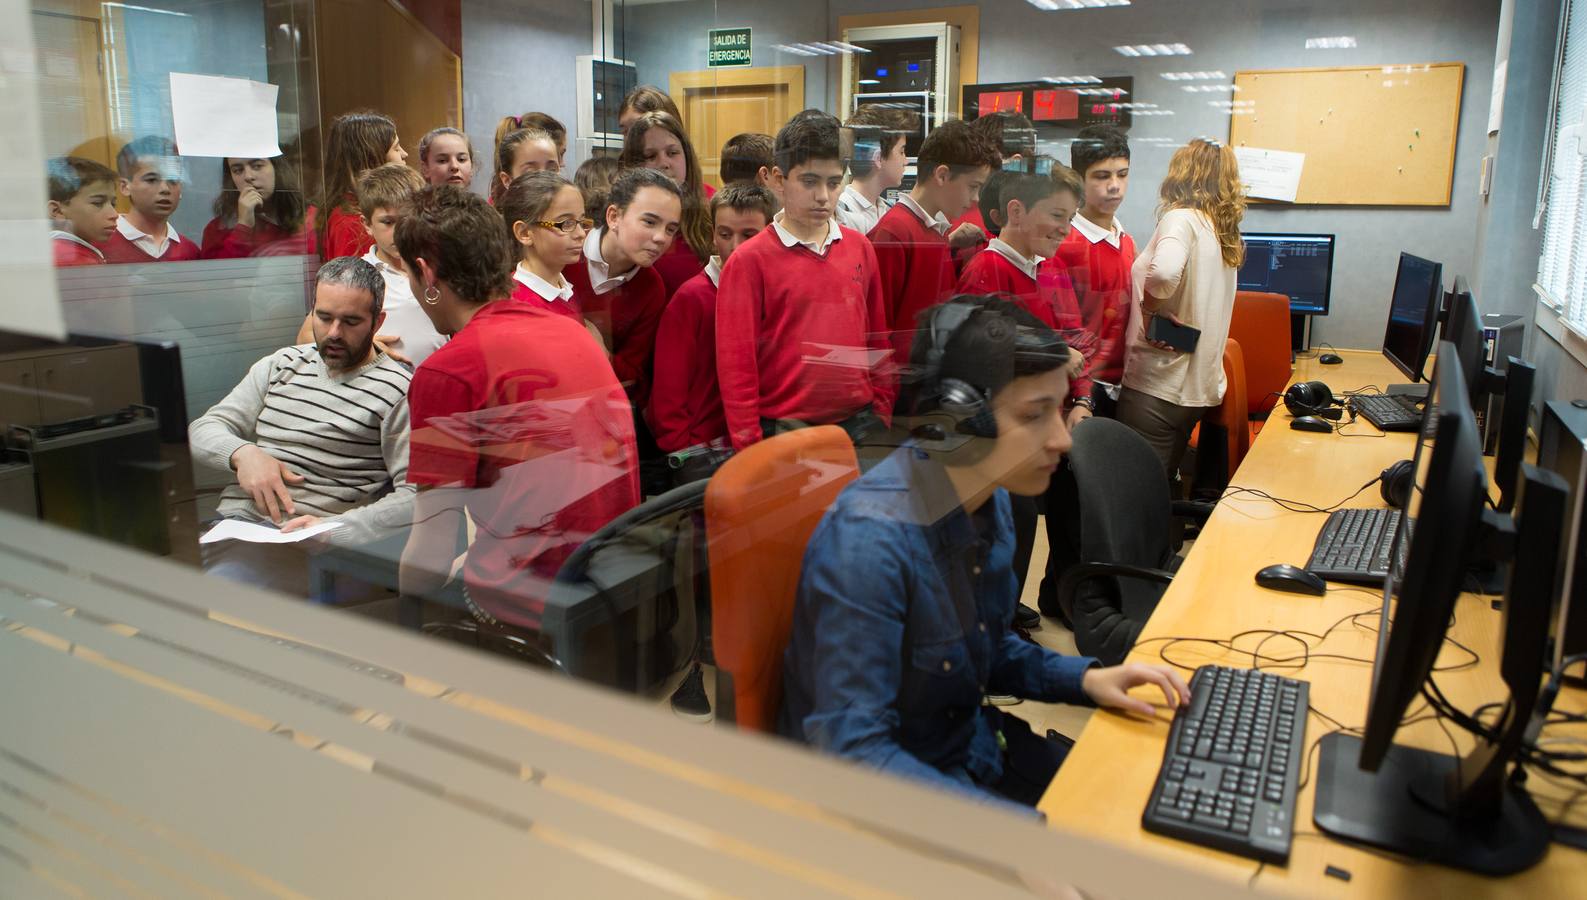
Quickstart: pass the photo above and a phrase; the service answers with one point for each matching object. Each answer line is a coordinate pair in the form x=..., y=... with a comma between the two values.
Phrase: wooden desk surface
x=1104, y=785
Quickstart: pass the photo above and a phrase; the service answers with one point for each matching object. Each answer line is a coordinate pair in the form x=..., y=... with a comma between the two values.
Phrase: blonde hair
x=1205, y=176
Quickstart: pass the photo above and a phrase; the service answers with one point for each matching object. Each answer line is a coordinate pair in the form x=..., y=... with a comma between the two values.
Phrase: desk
x=1104, y=784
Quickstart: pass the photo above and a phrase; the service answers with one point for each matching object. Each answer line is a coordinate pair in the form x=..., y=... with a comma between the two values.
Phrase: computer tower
x=1562, y=449
x=1502, y=337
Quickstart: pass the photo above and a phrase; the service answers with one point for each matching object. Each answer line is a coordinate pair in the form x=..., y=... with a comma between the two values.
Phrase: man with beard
x=315, y=432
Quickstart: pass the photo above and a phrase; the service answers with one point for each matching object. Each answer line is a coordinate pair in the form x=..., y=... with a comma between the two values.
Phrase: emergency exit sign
x=727, y=47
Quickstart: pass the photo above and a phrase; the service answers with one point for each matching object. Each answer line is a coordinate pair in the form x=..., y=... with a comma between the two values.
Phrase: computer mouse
x=1293, y=579
x=1330, y=359
x=1311, y=423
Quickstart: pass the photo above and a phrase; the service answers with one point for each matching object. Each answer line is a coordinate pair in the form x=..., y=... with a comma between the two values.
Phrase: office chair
x=1261, y=325
x=1126, y=558
x=760, y=509
x=1224, y=435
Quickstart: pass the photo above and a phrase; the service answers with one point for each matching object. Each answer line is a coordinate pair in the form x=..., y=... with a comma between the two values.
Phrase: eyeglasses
x=566, y=226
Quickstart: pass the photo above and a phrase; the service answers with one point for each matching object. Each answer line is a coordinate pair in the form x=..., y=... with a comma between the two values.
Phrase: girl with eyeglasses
x=545, y=218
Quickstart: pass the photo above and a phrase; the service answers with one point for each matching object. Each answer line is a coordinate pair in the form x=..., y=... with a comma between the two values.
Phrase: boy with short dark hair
x=914, y=246
x=800, y=326
x=747, y=157
x=876, y=165
x=82, y=209
x=1098, y=253
x=1015, y=138
x=152, y=175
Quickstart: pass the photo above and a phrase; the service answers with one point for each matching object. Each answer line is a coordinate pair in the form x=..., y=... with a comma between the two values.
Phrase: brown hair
x=357, y=141
x=285, y=206
x=958, y=146
x=896, y=124
x=649, y=98
x=696, y=220
x=429, y=138
x=1069, y=180
x=70, y=174
x=135, y=151
x=550, y=125
x=1011, y=132
x=390, y=186
x=507, y=148
x=744, y=155
x=527, y=201
x=1204, y=175
x=459, y=235
x=594, y=179
x=744, y=196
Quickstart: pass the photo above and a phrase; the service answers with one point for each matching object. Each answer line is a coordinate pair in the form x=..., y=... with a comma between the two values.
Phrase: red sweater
x=916, y=268
x=71, y=253
x=677, y=265
x=685, y=401
x=120, y=250
x=628, y=318
x=345, y=234
x=801, y=336
x=265, y=238
x=1104, y=290
x=1049, y=297
x=523, y=293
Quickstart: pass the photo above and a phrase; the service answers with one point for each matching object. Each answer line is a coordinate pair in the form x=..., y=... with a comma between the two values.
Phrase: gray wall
x=518, y=57
x=1020, y=42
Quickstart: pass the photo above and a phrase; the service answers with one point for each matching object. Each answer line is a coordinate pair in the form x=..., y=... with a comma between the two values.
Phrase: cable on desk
x=1296, y=505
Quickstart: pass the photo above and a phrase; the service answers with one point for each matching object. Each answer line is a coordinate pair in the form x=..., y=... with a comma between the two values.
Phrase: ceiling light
x=1065, y=5
x=1341, y=42
x=1194, y=76
x=1072, y=79
x=1153, y=50
x=1210, y=88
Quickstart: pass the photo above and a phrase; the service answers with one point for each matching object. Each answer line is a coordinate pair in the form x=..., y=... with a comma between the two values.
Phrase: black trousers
x=1030, y=761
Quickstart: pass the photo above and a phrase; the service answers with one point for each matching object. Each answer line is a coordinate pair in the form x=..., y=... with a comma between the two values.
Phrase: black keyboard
x=1355, y=546
x=1389, y=412
x=1229, y=772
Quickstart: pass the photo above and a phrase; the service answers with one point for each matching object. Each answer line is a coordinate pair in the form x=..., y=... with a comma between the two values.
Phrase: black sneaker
x=1026, y=618
x=689, y=700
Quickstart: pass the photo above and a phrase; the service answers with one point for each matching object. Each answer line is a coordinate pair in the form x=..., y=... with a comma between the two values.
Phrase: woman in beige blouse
x=1187, y=275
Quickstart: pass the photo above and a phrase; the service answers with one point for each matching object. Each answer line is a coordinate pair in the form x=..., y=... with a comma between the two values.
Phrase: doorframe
x=793, y=77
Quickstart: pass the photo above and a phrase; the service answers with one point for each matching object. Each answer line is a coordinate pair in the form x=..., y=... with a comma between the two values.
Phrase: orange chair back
x=1261, y=325
x=1233, y=415
x=760, y=509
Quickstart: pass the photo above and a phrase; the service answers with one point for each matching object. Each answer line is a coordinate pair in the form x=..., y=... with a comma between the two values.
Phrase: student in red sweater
x=914, y=247
x=657, y=141
x=544, y=213
x=801, y=333
x=1015, y=138
x=357, y=141
x=1099, y=254
x=686, y=403
x=520, y=152
x=613, y=282
x=82, y=209
x=152, y=175
x=518, y=422
x=259, y=212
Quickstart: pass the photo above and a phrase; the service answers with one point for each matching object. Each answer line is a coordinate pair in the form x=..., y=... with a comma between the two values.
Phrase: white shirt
x=146, y=242
x=1182, y=271
x=1095, y=233
x=58, y=235
x=601, y=279
x=819, y=247
x=856, y=211
x=548, y=292
x=713, y=271
x=404, y=317
x=938, y=223
x=1025, y=264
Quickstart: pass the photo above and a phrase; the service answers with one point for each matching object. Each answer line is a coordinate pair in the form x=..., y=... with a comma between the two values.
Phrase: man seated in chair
x=902, y=625
x=314, y=432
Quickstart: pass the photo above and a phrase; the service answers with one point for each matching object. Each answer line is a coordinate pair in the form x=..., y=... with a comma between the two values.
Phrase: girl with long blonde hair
x=1186, y=275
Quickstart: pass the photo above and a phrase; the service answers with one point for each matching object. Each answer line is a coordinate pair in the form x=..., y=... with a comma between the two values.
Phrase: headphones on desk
x=1313, y=398
x=1397, y=481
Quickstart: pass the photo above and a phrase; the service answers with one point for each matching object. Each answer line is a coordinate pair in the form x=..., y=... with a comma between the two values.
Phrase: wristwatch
x=1087, y=402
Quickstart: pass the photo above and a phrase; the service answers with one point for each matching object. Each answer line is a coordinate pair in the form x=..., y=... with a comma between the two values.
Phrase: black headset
x=1313, y=398
x=1398, y=479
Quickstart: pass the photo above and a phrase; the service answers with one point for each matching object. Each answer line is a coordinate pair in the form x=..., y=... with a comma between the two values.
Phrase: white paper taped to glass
x=1270, y=174
x=216, y=116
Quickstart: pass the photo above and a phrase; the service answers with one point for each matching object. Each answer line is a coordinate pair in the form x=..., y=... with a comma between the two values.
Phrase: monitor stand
x=1299, y=334
x=1417, y=391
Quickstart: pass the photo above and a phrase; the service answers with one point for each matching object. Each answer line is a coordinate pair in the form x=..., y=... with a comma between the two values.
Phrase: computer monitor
x=1519, y=378
x=1463, y=812
x=1299, y=266
x=1413, y=312
x=1463, y=328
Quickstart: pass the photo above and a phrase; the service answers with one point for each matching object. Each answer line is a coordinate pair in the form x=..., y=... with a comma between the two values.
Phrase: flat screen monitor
x=1413, y=314
x=1299, y=266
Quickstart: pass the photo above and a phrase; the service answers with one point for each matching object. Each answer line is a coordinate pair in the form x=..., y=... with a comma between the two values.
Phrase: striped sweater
x=345, y=433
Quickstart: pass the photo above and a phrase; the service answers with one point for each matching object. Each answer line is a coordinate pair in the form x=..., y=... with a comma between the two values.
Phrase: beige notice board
x=1372, y=135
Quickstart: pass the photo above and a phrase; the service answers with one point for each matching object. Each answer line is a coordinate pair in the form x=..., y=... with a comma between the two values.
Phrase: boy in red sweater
x=685, y=402
x=1098, y=254
x=82, y=209
x=800, y=323
x=914, y=247
x=1015, y=138
x=152, y=175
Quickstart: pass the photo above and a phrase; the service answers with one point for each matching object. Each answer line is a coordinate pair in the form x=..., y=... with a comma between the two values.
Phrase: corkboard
x=1372, y=135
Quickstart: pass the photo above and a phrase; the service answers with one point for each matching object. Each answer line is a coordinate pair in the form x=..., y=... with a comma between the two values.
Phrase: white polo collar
x=59, y=235
x=1023, y=263
x=381, y=266
x=131, y=232
x=1096, y=234
x=819, y=247
x=601, y=279
x=855, y=199
x=547, y=291
x=938, y=223
x=713, y=271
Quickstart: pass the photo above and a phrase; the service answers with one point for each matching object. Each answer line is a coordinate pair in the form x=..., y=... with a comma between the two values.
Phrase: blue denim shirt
x=903, y=624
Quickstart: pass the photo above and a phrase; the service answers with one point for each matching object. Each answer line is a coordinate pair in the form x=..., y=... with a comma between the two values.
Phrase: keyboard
x=1229, y=773
x=1388, y=412
x=1355, y=545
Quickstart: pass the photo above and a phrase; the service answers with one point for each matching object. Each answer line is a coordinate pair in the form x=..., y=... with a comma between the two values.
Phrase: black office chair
x=1126, y=531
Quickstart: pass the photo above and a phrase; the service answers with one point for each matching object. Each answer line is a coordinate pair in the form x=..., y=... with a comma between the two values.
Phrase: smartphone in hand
x=1181, y=337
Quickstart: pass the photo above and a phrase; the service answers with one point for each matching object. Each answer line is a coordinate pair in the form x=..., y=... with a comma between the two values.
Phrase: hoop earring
x=432, y=289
